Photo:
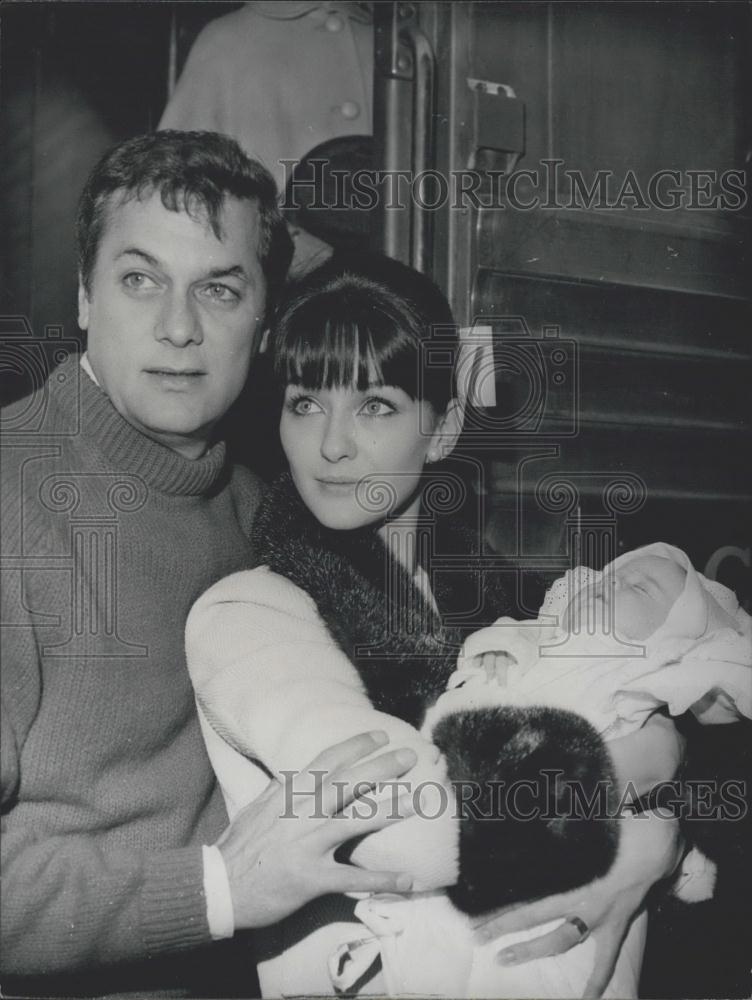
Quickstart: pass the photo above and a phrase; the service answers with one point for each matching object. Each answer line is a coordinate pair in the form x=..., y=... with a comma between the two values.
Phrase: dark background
x=76, y=78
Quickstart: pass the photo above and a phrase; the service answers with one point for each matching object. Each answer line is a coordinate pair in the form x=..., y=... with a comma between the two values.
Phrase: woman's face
x=355, y=455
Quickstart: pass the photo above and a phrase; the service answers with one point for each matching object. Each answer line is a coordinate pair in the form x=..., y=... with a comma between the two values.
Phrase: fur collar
x=404, y=651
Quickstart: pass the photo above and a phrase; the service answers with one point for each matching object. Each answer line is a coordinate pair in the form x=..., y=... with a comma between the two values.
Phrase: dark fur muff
x=404, y=655
x=535, y=789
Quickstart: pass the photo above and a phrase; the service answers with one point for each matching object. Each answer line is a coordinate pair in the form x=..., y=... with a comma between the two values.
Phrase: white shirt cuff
x=219, y=911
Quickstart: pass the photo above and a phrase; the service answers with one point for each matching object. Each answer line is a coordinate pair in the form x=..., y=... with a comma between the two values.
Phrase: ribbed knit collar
x=127, y=450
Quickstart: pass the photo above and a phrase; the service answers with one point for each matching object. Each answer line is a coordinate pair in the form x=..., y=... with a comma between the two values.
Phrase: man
x=119, y=510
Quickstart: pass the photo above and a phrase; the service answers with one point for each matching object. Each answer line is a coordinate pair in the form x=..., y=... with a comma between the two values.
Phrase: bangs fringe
x=347, y=353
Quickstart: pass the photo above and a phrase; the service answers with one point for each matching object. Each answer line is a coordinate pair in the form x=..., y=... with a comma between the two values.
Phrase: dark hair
x=189, y=170
x=319, y=195
x=365, y=316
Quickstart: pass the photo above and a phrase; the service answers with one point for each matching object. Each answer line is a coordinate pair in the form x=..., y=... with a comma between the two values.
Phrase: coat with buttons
x=280, y=78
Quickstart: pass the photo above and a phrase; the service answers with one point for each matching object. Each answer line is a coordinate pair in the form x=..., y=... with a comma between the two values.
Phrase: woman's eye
x=376, y=408
x=138, y=281
x=303, y=405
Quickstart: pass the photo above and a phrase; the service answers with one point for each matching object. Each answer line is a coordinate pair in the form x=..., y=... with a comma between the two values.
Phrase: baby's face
x=639, y=594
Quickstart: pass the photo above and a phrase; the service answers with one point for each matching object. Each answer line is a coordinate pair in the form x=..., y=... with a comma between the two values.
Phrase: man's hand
x=279, y=851
x=649, y=850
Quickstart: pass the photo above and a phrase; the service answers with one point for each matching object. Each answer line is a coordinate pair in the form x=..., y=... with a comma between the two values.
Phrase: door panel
x=649, y=305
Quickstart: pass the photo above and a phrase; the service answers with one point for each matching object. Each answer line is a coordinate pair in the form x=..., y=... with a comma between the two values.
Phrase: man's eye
x=221, y=293
x=377, y=407
x=138, y=281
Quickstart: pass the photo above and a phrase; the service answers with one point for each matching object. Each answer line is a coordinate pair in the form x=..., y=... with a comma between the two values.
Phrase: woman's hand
x=650, y=848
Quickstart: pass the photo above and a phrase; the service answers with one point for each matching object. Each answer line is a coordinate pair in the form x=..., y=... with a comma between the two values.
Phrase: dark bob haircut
x=192, y=171
x=367, y=320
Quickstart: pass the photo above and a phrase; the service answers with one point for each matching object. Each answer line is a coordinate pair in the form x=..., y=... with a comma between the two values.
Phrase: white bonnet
x=703, y=607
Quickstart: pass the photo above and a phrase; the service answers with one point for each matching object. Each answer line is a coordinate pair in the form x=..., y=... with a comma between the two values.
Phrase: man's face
x=173, y=315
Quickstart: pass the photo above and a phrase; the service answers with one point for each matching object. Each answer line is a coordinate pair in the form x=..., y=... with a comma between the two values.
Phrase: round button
x=334, y=23
x=350, y=110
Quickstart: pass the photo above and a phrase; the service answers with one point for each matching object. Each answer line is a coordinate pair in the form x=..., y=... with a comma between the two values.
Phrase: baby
x=627, y=601
x=632, y=600
x=614, y=646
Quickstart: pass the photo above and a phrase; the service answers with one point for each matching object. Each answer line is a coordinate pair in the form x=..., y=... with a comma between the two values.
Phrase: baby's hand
x=496, y=665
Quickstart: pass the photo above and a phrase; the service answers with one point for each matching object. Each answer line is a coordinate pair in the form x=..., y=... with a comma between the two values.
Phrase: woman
x=346, y=626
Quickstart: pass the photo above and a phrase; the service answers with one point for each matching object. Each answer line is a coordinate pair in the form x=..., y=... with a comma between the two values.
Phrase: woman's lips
x=338, y=486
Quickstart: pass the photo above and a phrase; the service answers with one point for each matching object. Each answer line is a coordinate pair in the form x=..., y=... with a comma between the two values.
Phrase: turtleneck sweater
x=108, y=538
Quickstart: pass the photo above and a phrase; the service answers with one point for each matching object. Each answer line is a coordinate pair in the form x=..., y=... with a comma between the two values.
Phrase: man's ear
x=83, y=306
x=448, y=430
